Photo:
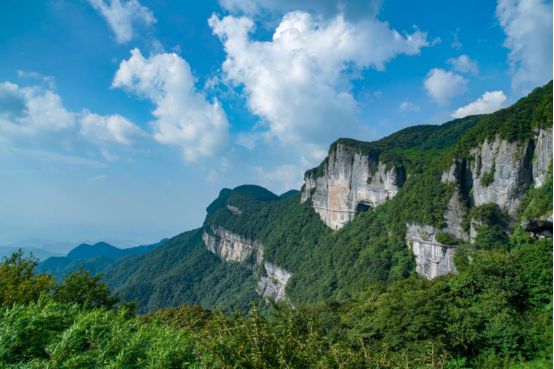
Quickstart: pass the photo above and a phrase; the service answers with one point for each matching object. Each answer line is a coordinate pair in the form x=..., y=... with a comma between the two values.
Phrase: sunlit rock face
x=272, y=285
x=231, y=247
x=348, y=183
x=498, y=171
x=508, y=165
x=542, y=157
x=432, y=258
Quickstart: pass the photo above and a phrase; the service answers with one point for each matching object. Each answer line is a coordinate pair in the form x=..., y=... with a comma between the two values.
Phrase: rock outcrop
x=349, y=183
x=432, y=258
x=272, y=285
x=543, y=156
x=229, y=246
x=499, y=172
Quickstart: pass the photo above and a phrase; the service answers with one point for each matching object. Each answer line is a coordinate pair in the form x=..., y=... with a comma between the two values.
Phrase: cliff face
x=272, y=285
x=231, y=247
x=432, y=258
x=498, y=172
x=350, y=183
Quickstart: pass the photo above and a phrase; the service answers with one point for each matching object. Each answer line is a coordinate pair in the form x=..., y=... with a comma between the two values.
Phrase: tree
x=18, y=281
x=85, y=290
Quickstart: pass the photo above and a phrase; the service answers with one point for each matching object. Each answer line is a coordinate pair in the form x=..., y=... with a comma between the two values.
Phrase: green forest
x=495, y=313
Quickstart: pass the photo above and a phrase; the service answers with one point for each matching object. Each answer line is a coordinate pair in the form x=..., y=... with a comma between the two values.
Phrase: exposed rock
x=272, y=286
x=539, y=228
x=542, y=157
x=229, y=246
x=433, y=259
x=453, y=217
x=350, y=183
x=507, y=164
x=234, y=209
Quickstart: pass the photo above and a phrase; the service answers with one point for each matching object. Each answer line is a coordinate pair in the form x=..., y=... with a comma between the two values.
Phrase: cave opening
x=363, y=207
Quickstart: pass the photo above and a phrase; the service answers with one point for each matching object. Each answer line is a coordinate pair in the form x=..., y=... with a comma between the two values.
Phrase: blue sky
x=122, y=119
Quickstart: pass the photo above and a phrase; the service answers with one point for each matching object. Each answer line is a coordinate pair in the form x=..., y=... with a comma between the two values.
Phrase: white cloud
x=352, y=9
x=528, y=28
x=123, y=15
x=48, y=80
x=109, y=128
x=281, y=178
x=29, y=110
x=464, y=64
x=183, y=115
x=489, y=102
x=408, y=106
x=300, y=81
x=442, y=85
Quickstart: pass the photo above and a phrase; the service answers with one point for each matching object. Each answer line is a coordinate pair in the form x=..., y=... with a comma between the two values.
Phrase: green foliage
x=181, y=271
x=488, y=178
x=538, y=201
x=85, y=290
x=18, y=281
x=515, y=123
x=496, y=313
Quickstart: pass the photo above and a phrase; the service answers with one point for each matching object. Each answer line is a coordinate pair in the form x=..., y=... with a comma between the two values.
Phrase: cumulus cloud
x=29, y=110
x=352, y=8
x=464, y=64
x=184, y=117
x=280, y=178
x=123, y=15
x=442, y=85
x=299, y=83
x=489, y=102
x=528, y=28
x=109, y=128
x=408, y=106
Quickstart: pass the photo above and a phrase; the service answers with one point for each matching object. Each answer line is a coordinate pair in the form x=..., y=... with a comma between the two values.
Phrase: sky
x=121, y=120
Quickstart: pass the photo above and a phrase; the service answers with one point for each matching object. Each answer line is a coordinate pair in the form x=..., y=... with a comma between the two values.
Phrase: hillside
x=93, y=258
x=409, y=201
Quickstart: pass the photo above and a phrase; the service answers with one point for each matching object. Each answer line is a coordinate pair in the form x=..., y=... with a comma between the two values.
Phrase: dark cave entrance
x=363, y=206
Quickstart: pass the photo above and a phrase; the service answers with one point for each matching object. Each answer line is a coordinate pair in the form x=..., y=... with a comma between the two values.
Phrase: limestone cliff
x=231, y=247
x=432, y=258
x=349, y=182
x=272, y=285
x=496, y=171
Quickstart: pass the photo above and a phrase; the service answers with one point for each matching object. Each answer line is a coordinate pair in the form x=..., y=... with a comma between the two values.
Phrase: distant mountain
x=288, y=194
x=41, y=254
x=93, y=258
x=84, y=250
x=54, y=247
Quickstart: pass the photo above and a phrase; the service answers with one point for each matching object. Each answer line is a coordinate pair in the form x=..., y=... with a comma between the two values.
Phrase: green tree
x=18, y=281
x=85, y=290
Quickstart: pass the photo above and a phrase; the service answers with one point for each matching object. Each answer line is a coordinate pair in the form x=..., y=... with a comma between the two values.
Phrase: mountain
x=105, y=249
x=421, y=201
x=93, y=258
x=40, y=254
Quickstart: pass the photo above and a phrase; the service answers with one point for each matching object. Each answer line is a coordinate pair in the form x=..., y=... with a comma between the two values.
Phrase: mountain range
x=421, y=201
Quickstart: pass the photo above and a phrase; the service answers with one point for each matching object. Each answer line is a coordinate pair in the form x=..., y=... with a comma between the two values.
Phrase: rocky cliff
x=231, y=247
x=497, y=171
x=349, y=182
